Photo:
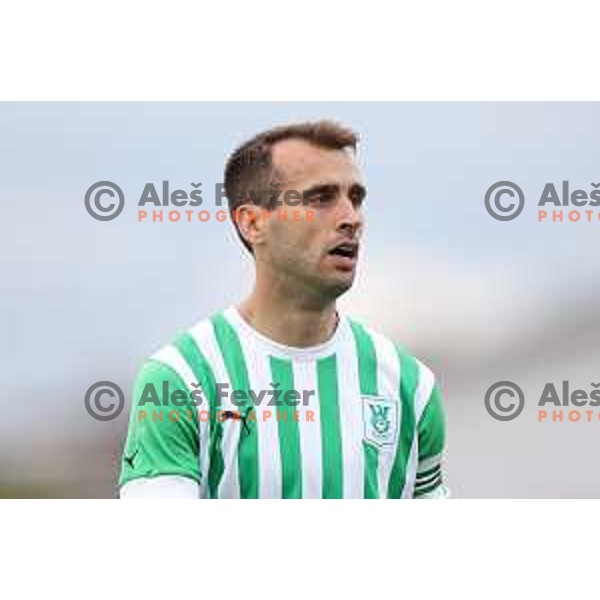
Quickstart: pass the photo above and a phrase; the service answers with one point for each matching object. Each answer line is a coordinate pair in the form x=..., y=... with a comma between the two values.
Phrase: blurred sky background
x=477, y=299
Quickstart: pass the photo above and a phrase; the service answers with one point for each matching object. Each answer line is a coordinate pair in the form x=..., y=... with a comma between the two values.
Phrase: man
x=297, y=400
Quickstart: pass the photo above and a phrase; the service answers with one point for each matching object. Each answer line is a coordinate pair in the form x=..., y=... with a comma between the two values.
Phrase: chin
x=340, y=285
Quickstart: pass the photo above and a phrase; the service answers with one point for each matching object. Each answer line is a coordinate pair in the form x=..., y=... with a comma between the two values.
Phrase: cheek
x=300, y=236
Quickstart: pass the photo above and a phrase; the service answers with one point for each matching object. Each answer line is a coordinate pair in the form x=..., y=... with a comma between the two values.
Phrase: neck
x=289, y=316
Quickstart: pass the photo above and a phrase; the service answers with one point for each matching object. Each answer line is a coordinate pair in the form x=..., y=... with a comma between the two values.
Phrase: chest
x=322, y=439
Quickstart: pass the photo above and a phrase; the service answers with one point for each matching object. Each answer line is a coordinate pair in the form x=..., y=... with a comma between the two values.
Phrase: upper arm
x=431, y=431
x=163, y=436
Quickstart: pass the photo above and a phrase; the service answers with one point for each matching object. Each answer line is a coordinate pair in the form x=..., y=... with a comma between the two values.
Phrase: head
x=295, y=195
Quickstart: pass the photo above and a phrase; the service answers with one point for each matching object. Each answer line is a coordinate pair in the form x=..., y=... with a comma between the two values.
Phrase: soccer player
x=296, y=400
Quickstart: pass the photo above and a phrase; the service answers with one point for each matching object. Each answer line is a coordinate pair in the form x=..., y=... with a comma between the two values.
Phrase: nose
x=350, y=218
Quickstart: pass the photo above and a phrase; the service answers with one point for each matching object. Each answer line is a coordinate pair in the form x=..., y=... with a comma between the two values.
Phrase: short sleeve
x=430, y=479
x=163, y=433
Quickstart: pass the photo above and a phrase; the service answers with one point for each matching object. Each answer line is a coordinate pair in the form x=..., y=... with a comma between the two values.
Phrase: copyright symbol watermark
x=100, y=200
x=104, y=401
x=504, y=200
x=501, y=408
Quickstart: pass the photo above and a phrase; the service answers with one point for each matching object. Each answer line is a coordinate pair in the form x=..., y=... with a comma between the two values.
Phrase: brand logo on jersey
x=129, y=459
x=238, y=416
x=380, y=416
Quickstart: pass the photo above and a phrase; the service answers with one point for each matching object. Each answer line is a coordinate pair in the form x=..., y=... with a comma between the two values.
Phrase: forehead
x=298, y=161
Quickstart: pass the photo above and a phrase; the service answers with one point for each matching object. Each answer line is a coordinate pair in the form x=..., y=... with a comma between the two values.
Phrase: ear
x=250, y=223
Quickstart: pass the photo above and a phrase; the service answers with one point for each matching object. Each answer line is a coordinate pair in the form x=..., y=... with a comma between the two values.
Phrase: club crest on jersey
x=380, y=416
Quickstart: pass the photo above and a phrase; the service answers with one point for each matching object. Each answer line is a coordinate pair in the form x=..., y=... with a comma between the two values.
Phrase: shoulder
x=187, y=355
x=386, y=345
x=415, y=378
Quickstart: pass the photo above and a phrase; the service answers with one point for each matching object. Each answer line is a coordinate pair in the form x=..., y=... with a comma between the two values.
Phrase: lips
x=343, y=256
x=347, y=250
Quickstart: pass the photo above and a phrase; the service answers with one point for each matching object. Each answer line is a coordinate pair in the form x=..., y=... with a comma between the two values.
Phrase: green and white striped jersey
x=365, y=419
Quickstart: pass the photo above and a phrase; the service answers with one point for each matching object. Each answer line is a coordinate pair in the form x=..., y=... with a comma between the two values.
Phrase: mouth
x=345, y=254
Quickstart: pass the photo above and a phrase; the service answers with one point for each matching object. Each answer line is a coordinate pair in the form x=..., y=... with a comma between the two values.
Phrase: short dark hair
x=251, y=164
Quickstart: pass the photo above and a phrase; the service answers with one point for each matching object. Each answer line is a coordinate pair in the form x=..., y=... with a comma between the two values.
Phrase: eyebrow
x=333, y=188
x=321, y=188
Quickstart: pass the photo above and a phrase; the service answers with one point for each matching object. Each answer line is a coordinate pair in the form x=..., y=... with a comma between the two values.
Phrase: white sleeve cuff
x=163, y=487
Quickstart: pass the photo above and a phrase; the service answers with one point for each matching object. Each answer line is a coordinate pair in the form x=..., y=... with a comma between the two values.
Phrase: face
x=318, y=244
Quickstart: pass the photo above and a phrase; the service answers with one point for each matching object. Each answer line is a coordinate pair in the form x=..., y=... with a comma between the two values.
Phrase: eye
x=357, y=197
x=322, y=198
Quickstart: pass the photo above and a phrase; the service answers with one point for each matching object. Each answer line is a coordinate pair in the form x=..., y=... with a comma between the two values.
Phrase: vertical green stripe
x=409, y=376
x=205, y=377
x=367, y=369
x=331, y=438
x=235, y=363
x=289, y=433
x=367, y=360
